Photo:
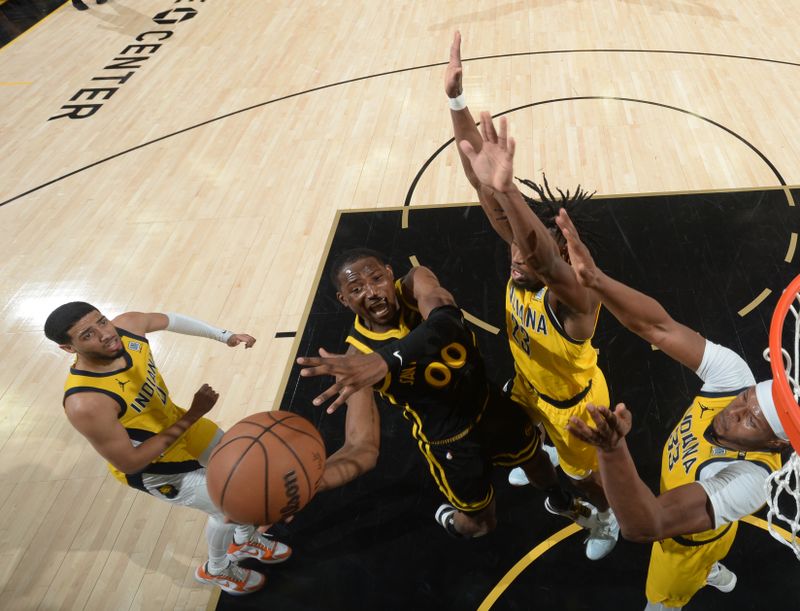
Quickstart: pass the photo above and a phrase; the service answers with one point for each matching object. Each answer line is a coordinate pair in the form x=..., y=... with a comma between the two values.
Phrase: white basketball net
x=785, y=483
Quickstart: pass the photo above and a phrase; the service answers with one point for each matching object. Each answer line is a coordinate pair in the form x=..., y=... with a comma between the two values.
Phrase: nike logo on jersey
x=397, y=354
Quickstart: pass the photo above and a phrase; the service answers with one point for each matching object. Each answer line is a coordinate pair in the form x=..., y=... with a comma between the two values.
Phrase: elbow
x=369, y=459
x=638, y=536
x=129, y=468
x=643, y=533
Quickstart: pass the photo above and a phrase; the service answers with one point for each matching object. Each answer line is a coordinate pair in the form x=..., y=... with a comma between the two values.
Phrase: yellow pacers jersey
x=687, y=450
x=145, y=408
x=558, y=367
x=679, y=566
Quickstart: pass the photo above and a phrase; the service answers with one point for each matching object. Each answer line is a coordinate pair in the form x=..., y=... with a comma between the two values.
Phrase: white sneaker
x=261, y=547
x=233, y=579
x=552, y=454
x=581, y=512
x=603, y=536
x=517, y=477
x=721, y=578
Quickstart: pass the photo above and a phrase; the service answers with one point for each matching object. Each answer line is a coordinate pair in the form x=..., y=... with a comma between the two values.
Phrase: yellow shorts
x=199, y=436
x=577, y=459
x=677, y=571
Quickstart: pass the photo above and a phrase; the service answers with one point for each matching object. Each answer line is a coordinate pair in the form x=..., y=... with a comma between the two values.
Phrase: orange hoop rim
x=788, y=410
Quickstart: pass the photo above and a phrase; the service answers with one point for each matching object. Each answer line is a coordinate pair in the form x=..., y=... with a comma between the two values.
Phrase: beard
x=104, y=357
x=528, y=284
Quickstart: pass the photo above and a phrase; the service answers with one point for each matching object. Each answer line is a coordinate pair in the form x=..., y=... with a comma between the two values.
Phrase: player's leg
x=463, y=475
x=244, y=541
x=678, y=571
x=515, y=389
x=467, y=525
x=189, y=489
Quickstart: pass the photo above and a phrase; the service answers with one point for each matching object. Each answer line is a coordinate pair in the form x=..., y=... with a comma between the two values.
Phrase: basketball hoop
x=785, y=483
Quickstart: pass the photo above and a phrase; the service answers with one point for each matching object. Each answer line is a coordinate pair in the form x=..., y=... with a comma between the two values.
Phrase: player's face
x=521, y=275
x=94, y=337
x=742, y=425
x=367, y=288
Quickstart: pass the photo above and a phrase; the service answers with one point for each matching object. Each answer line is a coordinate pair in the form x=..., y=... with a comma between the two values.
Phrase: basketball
x=266, y=467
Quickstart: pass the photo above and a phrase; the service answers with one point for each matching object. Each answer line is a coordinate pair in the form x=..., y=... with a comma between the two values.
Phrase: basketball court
x=208, y=158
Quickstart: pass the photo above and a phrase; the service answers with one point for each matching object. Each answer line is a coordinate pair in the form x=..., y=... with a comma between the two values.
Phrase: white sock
x=243, y=533
x=218, y=534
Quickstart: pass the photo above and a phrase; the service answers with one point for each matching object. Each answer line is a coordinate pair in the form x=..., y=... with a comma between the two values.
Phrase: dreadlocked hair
x=546, y=206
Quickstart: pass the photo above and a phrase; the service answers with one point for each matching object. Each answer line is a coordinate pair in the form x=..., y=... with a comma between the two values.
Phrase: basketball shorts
x=188, y=489
x=577, y=459
x=504, y=435
x=201, y=438
x=677, y=571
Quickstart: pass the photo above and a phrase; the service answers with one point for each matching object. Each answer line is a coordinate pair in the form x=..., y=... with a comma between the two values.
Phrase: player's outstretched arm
x=359, y=453
x=636, y=311
x=421, y=286
x=95, y=416
x=464, y=128
x=354, y=371
x=494, y=166
x=146, y=322
x=643, y=516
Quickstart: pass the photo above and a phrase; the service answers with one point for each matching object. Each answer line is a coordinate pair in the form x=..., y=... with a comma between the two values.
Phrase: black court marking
x=739, y=137
x=280, y=334
x=378, y=75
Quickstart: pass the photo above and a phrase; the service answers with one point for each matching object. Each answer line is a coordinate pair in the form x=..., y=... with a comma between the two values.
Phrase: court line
x=376, y=75
x=792, y=246
x=755, y=303
x=742, y=139
x=562, y=534
x=33, y=27
x=523, y=563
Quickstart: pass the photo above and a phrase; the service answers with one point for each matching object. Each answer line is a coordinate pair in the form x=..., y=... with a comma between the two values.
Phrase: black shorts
x=504, y=435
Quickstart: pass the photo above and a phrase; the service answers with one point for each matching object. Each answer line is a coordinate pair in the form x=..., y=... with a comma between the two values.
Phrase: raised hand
x=452, y=76
x=241, y=338
x=204, y=399
x=494, y=164
x=579, y=256
x=611, y=426
x=353, y=372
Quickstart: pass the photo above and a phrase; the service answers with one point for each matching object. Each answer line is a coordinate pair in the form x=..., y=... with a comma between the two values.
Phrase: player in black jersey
x=411, y=344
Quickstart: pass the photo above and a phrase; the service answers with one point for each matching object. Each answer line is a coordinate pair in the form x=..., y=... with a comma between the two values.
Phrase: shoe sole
x=273, y=560
x=211, y=582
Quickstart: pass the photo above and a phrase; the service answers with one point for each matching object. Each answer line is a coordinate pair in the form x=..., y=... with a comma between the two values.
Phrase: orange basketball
x=266, y=467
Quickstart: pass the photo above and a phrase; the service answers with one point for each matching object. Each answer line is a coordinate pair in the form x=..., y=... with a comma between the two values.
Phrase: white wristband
x=457, y=103
x=179, y=323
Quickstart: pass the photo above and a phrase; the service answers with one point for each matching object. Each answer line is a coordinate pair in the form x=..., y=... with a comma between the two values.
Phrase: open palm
x=494, y=164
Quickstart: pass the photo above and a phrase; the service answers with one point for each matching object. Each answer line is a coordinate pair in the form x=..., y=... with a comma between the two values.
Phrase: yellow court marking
x=470, y=317
x=762, y=524
x=33, y=27
x=792, y=246
x=562, y=534
x=13, y=83
x=404, y=218
x=524, y=562
x=789, y=196
x=479, y=323
x=754, y=304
